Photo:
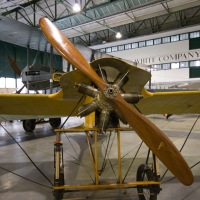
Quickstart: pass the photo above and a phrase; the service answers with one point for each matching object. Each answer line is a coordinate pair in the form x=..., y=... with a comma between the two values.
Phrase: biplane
x=106, y=91
x=37, y=77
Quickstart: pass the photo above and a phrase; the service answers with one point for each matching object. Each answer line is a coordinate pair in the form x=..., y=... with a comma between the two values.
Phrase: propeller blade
x=156, y=140
x=68, y=51
x=14, y=66
x=162, y=147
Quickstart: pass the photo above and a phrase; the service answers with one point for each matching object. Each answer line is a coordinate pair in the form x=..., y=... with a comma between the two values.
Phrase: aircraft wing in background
x=177, y=102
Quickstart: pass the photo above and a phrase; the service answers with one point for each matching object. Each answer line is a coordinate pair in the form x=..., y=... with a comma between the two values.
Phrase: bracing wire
x=106, y=153
x=174, y=177
x=132, y=161
x=79, y=163
x=72, y=111
x=25, y=178
x=111, y=165
x=28, y=156
x=183, y=144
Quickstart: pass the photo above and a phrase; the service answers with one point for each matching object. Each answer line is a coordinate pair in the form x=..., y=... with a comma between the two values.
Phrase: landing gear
x=59, y=168
x=55, y=122
x=146, y=184
x=147, y=192
x=29, y=125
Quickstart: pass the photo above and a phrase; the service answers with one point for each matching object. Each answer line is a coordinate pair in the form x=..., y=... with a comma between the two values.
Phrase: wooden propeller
x=152, y=136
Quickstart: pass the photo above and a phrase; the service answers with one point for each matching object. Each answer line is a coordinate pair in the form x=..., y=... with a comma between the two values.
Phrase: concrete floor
x=19, y=178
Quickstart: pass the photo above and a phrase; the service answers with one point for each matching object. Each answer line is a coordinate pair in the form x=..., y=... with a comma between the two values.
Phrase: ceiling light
x=118, y=35
x=76, y=7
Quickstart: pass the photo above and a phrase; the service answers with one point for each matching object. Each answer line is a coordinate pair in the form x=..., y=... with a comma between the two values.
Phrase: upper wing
x=22, y=34
x=180, y=102
x=34, y=38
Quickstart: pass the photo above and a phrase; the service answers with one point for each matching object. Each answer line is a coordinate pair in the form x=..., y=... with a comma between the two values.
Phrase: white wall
x=174, y=78
x=163, y=53
x=154, y=54
x=172, y=75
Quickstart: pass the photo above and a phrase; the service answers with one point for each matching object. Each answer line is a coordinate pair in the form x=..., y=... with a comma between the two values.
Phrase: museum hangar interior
x=99, y=99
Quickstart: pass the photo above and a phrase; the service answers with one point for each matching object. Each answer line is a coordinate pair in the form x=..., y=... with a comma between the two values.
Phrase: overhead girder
x=103, y=11
x=92, y=13
x=168, y=21
x=165, y=5
x=22, y=11
x=89, y=8
x=28, y=11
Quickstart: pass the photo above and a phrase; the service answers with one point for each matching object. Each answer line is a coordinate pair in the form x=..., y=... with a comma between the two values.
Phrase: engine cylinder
x=132, y=97
x=87, y=109
x=86, y=89
x=120, y=116
x=104, y=120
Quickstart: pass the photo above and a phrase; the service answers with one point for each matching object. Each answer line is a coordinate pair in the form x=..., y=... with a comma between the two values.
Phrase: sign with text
x=176, y=57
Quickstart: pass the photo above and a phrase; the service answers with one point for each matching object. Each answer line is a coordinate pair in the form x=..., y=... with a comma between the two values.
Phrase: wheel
x=58, y=195
x=29, y=125
x=55, y=122
x=147, y=192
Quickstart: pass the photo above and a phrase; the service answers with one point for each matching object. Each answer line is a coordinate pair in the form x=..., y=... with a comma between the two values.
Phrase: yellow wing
x=36, y=106
x=180, y=102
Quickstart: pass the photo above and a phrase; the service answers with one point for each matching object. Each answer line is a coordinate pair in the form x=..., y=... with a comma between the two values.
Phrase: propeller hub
x=111, y=91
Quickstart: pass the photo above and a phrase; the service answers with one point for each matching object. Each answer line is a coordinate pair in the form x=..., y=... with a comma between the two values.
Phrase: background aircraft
x=36, y=76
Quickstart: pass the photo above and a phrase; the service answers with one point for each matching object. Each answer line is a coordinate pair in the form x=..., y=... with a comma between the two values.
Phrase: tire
x=58, y=194
x=55, y=122
x=144, y=173
x=29, y=125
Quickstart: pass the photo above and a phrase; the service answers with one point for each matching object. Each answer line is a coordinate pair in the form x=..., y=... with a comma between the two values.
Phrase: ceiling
x=99, y=20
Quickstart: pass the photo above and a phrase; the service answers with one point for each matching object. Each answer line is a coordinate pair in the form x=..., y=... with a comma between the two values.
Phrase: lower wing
x=180, y=102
